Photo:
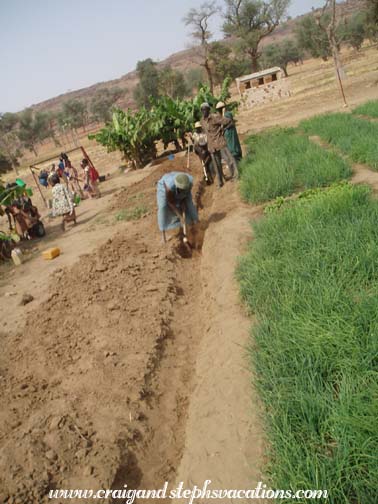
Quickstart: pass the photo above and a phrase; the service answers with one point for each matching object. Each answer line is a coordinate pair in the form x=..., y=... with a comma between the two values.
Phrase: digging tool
x=188, y=160
x=185, y=239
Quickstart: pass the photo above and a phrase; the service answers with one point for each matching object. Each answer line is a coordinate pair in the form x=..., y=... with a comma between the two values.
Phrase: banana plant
x=135, y=134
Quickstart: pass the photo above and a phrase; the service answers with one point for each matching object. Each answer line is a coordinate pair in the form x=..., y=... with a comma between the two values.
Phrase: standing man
x=213, y=125
x=199, y=139
x=230, y=133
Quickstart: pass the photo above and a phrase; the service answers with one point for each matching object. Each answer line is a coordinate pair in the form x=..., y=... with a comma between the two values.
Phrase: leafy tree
x=33, y=128
x=172, y=83
x=281, y=54
x=148, y=85
x=168, y=120
x=131, y=134
x=103, y=101
x=372, y=19
x=312, y=39
x=75, y=113
x=51, y=118
x=9, y=141
x=194, y=77
x=251, y=21
x=5, y=165
x=225, y=64
x=198, y=20
x=354, y=30
x=219, y=55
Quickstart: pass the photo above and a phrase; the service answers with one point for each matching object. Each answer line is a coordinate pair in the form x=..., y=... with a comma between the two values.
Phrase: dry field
x=128, y=366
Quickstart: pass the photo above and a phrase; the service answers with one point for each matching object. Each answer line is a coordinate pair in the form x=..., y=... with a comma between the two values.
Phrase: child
x=91, y=179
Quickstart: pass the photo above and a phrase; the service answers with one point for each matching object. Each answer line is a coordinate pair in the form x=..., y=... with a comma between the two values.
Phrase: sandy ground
x=129, y=366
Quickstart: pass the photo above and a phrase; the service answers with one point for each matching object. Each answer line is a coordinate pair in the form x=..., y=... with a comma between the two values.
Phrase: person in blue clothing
x=174, y=199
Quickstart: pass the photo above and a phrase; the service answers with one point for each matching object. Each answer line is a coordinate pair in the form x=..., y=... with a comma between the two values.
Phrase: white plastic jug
x=17, y=256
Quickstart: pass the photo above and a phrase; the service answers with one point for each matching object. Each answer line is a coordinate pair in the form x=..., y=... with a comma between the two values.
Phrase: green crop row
x=369, y=109
x=354, y=136
x=311, y=279
x=281, y=162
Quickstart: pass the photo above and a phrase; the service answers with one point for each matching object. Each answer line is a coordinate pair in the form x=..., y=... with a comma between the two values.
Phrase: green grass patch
x=128, y=214
x=354, y=136
x=281, y=162
x=311, y=279
x=369, y=109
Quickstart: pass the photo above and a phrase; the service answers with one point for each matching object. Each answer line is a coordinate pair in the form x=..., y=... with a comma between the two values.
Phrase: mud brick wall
x=266, y=93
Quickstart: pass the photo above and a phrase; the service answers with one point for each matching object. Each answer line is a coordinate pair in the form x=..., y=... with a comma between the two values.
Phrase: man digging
x=175, y=203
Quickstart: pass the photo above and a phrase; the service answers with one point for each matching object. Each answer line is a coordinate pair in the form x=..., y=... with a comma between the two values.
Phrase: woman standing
x=62, y=204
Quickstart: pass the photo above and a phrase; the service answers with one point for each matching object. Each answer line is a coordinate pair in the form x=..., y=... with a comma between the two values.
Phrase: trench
x=153, y=457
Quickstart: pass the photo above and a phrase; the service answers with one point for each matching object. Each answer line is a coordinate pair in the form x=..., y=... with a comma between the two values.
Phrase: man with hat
x=199, y=140
x=213, y=125
x=175, y=202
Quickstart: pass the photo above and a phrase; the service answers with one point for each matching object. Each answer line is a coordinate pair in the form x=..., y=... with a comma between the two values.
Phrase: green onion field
x=310, y=277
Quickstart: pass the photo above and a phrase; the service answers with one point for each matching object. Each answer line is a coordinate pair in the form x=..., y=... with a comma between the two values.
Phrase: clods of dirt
x=26, y=299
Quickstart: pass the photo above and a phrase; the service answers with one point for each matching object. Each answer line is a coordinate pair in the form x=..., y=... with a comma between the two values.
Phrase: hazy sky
x=48, y=47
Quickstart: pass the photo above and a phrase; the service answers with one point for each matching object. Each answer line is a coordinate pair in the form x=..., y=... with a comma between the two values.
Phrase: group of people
x=23, y=216
x=64, y=180
x=69, y=175
x=215, y=139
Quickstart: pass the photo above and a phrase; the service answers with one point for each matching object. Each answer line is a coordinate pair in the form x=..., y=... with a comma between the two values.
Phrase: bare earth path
x=224, y=441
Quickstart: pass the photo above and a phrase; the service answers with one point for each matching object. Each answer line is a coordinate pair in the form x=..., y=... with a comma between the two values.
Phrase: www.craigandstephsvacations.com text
x=189, y=495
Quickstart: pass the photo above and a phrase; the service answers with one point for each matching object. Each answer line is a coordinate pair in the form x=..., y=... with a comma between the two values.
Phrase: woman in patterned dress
x=62, y=202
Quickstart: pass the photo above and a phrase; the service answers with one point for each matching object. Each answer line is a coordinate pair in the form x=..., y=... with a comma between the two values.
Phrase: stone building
x=261, y=87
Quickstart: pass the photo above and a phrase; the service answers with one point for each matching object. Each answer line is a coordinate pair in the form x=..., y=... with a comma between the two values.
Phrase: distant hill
x=182, y=60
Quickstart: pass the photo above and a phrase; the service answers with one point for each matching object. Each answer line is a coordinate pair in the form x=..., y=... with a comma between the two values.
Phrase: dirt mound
x=79, y=379
x=79, y=387
x=146, y=188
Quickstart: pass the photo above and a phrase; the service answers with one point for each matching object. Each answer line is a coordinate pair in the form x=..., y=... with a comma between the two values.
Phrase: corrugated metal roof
x=256, y=75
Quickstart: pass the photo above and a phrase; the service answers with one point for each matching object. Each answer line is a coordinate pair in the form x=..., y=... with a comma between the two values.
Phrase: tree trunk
x=331, y=33
x=284, y=68
x=209, y=75
x=14, y=166
x=177, y=145
x=253, y=54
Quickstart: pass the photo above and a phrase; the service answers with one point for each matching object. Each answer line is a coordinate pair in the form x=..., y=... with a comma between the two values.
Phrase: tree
x=172, y=83
x=194, y=77
x=312, y=39
x=103, y=101
x=225, y=64
x=281, y=54
x=198, y=20
x=135, y=133
x=51, y=118
x=219, y=55
x=372, y=19
x=148, y=85
x=331, y=26
x=251, y=21
x=33, y=128
x=9, y=140
x=354, y=30
x=75, y=113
